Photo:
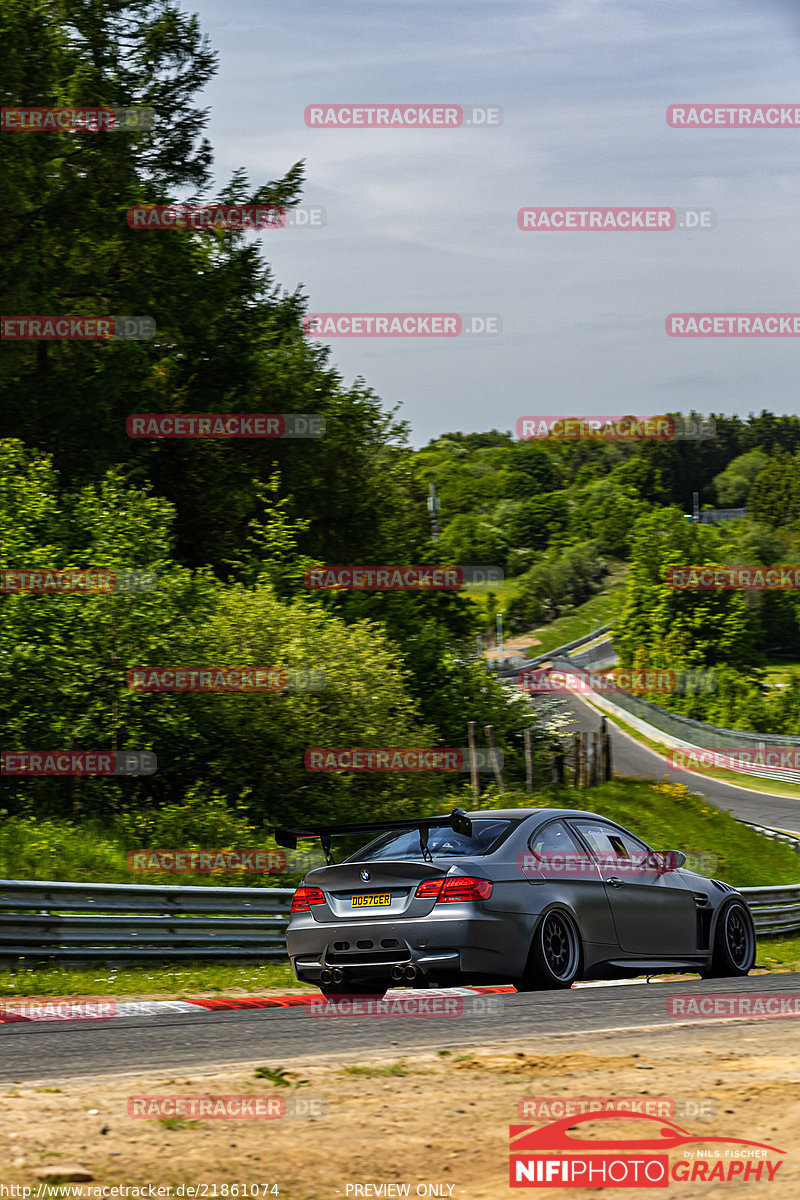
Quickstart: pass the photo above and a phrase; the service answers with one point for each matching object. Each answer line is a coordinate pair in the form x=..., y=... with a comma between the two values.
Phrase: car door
x=654, y=912
x=571, y=876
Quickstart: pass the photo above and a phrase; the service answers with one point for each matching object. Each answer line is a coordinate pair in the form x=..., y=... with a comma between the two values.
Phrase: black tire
x=734, y=950
x=555, y=956
x=335, y=991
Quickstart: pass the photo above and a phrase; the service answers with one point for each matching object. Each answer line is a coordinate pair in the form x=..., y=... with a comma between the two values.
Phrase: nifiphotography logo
x=555, y=1155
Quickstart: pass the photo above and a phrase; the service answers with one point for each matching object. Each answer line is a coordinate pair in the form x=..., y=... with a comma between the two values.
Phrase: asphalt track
x=51, y=1052
x=630, y=758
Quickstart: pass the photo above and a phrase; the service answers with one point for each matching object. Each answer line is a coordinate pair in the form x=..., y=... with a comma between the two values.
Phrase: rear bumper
x=440, y=947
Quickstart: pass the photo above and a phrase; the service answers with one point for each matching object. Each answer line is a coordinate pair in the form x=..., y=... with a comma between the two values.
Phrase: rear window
x=443, y=842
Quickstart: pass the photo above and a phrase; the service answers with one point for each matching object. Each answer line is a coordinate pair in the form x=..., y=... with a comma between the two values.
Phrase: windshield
x=443, y=842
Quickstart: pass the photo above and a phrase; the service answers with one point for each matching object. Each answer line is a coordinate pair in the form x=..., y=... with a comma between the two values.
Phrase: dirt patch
x=425, y=1121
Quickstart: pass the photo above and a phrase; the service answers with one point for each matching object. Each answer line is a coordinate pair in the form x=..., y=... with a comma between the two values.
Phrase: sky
x=425, y=220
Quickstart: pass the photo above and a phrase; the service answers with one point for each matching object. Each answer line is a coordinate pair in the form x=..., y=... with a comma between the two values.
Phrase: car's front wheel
x=734, y=943
x=555, y=955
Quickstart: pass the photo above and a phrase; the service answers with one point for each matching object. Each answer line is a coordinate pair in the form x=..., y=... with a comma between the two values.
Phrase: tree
x=682, y=628
x=608, y=514
x=734, y=483
x=775, y=493
x=539, y=520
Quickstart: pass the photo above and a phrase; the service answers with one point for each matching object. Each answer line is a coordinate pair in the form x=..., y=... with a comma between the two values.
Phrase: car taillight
x=304, y=897
x=455, y=888
x=429, y=890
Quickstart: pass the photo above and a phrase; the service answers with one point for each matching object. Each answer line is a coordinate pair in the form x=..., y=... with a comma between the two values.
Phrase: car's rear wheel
x=734, y=950
x=555, y=955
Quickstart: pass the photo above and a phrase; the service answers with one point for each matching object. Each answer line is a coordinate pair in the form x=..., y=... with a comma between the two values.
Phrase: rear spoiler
x=458, y=821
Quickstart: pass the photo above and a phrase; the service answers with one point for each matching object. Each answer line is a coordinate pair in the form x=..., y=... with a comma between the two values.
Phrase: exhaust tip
x=326, y=976
x=396, y=973
x=337, y=975
x=411, y=972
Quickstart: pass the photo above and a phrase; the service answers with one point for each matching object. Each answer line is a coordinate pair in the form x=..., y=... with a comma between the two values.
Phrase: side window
x=553, y=838
x=611, y=844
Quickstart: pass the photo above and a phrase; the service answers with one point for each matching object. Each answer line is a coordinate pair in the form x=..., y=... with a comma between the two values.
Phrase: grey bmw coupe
x=534, y=897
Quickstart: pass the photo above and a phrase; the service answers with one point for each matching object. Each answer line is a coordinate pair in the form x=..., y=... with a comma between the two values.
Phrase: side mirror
x=671, y=860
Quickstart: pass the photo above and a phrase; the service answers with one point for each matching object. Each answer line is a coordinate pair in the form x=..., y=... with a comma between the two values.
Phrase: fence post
x=527, y=737
x=472, y=741
x=498, y=774
x=605, y=750
x=576, y=760
x=593, y=757
x=557, y=765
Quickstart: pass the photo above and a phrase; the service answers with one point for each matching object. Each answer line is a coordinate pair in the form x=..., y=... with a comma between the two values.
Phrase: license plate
x=373, y=900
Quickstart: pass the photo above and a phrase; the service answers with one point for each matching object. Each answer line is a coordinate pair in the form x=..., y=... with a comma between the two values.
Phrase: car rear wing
x=457, y=820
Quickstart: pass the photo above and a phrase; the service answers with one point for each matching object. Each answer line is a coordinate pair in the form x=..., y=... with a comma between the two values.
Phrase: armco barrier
x=74, y=923
x=560, y=651
x=118, y=922
x=775, y=910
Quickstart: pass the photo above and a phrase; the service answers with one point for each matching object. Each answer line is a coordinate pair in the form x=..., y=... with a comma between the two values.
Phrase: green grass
x=504, y=590
x=279, y=1076
x=396, y=1068
x=93, y=852
x=779, y=954
x=178, y=980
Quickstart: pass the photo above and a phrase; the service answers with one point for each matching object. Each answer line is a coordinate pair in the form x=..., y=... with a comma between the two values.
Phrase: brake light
x=429, y=890
x=455, y=888
x=304, y=897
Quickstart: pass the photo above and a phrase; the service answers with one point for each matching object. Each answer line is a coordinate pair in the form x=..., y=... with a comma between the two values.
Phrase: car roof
x=538, y=812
